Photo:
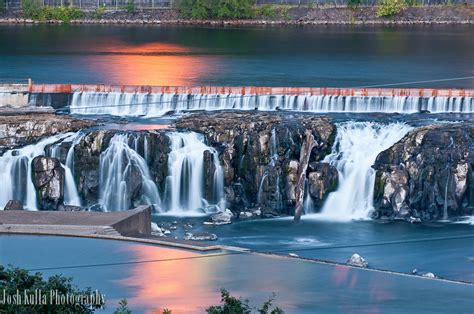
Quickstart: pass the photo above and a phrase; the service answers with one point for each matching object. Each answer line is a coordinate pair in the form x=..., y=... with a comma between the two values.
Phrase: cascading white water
x=156, y=105
x=355, y=149
x=273, y=150
x=186, y=178
x=71, y=196
x=16, y=172
x=122, y=171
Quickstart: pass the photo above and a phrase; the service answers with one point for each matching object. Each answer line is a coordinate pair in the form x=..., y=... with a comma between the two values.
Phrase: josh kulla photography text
x=39, y=297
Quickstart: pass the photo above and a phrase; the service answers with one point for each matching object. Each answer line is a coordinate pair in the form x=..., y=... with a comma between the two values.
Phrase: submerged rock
x=427, y=175
x=48, y=178
x=357, y=260
x=429, y=275
x=14, y=205
x=200, y=236
x=221, y=218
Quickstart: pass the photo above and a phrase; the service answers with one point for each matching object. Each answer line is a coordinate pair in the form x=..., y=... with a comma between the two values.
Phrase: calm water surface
x=342, y=56
x=188, y=286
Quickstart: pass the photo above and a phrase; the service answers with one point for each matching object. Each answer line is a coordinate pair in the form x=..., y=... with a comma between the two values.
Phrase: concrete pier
x=131, y=225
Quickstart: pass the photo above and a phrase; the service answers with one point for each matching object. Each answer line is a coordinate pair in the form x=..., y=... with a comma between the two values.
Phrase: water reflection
x=177, y=285
x=149, y=64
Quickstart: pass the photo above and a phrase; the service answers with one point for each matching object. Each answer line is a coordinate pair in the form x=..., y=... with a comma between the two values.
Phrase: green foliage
x=353, y=3
x=233, y=305
x=166, y=311
x=266, y=10
x=123, y=308
x=131, y=7
x=224, y=9
x=13, y=279
x=390, y=7
x=99, y=11
x=234, y=9
x=195, y=9
x=33, y=9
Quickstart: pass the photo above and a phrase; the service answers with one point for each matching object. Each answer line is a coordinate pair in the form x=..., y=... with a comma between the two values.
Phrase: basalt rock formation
x=48, y=179
x=153, y=147
x=427, y=175
x=263, y=155
x=21, y=130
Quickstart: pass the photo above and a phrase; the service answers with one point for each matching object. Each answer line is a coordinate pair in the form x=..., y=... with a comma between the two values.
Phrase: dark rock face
x=427, y=175
x=25, y=129
x=260, y=153
x=13, y=205
x=322, y=179
x=152, y=146
x=48, y=179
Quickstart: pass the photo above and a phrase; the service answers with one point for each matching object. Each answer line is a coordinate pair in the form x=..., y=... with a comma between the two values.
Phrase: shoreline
x=297, y=16
x=23, y=21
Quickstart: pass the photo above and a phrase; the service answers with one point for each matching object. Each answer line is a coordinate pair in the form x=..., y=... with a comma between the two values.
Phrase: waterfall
x=71, y=196
x=273, y=151
x=186, y=181
x=124, y=177
x=16, y=172
x=355, y=149
x=156, y=105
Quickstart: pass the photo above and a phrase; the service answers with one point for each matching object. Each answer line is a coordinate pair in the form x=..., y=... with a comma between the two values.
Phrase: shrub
x=131, y=7
x=234, y=9
x=33, y=9
x=195, y=9
x=231, y=304
x=99, y=12
x=390, y=7
x=13, y=279
x=353, y=3
x=266, y=10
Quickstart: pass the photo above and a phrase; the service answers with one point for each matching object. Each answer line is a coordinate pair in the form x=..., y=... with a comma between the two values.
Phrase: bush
x=231, y=304
x=353, y=3
x=226, y=9
x=390, y=7
x=99, y=12
x=13, y=279
x=266, y=10
x=131, y=7
x=33, y=9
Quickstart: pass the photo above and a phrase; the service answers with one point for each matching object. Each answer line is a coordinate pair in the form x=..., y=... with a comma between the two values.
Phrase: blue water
x=189, y=286
x=341, y=56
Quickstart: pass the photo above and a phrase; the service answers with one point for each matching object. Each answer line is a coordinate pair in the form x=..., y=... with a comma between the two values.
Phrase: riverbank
x=283, y=15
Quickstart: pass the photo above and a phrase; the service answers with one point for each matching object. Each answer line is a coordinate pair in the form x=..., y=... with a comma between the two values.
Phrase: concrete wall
x=136, y=224
x=13, y=99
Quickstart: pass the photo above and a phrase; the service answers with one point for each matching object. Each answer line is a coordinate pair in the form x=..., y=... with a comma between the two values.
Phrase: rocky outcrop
x=427, y=175
x=357, y=260
x=152, y=146
x=261, y=154
x=25, y=129
x=322, y=180
x=48, y=178
x=14, y=205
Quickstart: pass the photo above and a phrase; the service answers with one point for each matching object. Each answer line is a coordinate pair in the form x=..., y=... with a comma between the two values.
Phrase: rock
x=259, y=153
x=414, y=271
x=48, y=178
x=69, y=208
x=221, y=218
x=322, y=180
x=25, y=129
x=14, y=205
x=293, y=255
x=200, y=236
x=245, y=215
x=429, y=275
x=357, y=260
x=427, y=175
x=166, y=232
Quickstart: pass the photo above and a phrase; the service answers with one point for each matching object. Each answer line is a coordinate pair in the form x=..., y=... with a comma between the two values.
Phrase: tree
x=17, y=279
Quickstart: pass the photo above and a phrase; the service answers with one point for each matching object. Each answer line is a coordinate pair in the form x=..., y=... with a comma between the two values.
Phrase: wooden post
x=30, y=85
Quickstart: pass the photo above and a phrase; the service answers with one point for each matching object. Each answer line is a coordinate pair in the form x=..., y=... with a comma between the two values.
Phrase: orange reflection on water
x=180, y=285
x=151, y=64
